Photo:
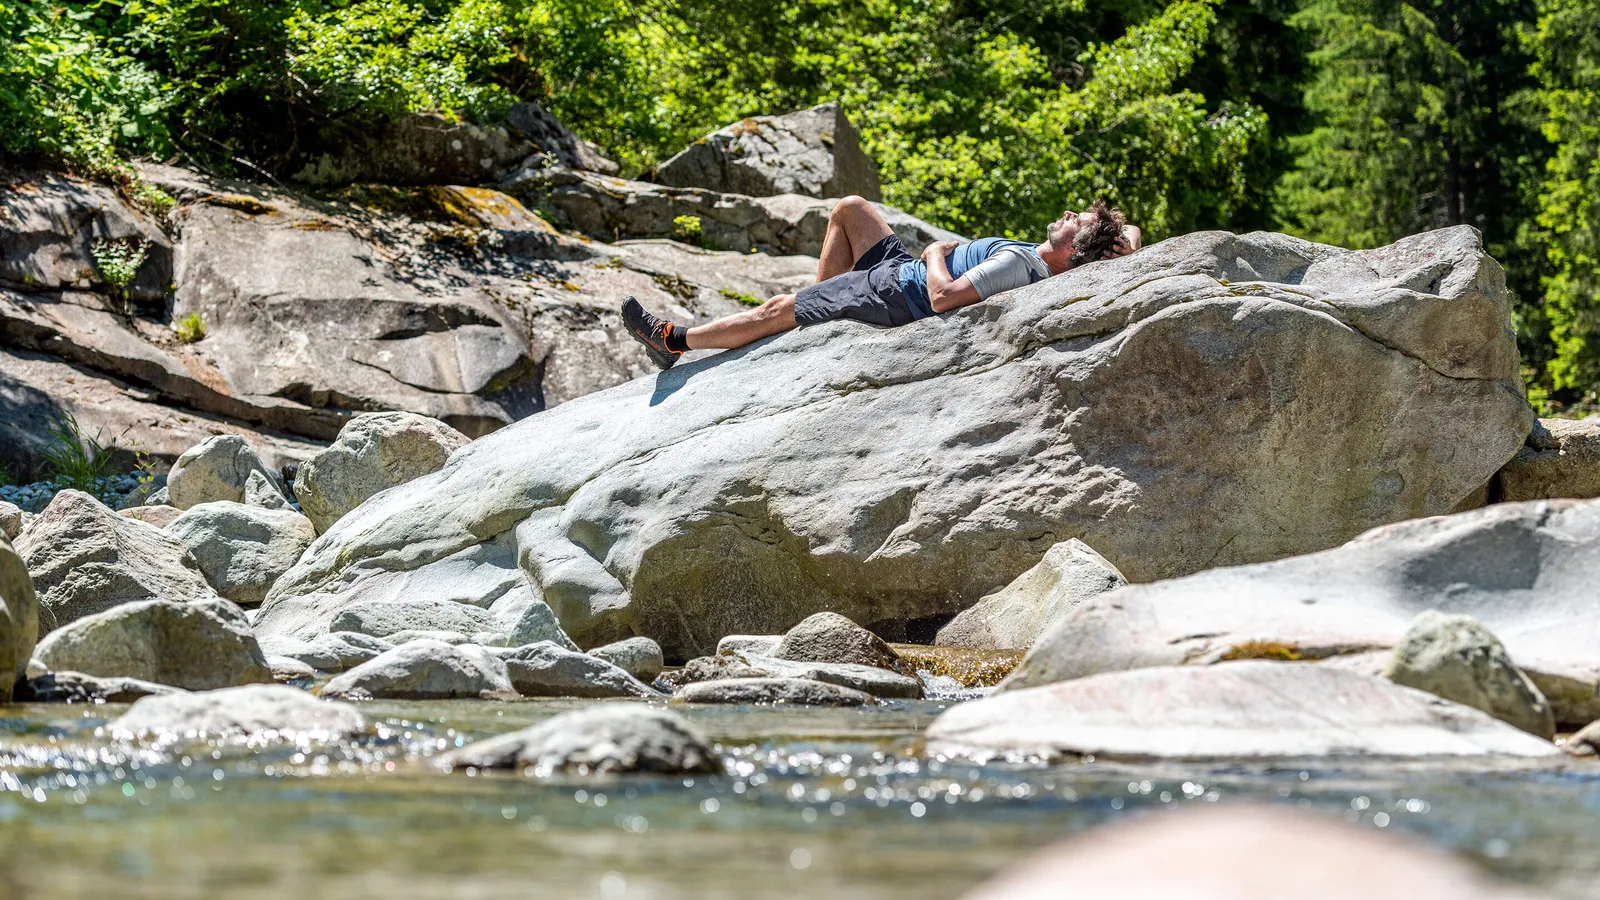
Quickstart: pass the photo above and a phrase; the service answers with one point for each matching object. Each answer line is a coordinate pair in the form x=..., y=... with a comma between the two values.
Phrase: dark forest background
x=1353, y=122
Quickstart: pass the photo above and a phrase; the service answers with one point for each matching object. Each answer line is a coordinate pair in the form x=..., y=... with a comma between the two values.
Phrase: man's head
x=1084, y=237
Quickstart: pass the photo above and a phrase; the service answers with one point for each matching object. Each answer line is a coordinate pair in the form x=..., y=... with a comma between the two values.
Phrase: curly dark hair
x=1099, y=240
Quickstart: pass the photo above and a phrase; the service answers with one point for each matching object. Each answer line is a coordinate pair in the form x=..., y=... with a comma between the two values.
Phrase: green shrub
x=118, y=262
x=73, y=459
x=688, y=230
x=190, y=329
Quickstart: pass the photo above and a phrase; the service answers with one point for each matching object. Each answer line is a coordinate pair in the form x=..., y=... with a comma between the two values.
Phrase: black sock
x=677, y=338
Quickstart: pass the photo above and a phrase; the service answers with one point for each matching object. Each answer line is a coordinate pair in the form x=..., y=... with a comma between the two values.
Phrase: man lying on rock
x=866, y=273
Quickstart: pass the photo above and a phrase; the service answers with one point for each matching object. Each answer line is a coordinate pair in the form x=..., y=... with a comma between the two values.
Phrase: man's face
x=1063, y=230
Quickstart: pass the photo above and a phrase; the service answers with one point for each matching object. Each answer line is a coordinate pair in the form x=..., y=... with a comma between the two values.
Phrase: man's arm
x=946, y=293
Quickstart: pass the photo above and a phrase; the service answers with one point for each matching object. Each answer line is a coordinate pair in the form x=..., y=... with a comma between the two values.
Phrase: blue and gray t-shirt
x=993, y=266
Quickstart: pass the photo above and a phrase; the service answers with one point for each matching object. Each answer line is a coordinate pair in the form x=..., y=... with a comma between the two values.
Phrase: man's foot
x=652, y=332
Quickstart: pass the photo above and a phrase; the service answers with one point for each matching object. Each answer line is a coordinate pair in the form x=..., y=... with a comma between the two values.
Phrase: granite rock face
x=1013, y=617
x=1526, y=571
x=373, y=452
x=19, y=618
x=224, y=468
x=1560, y=460
x=600, y=740
x=196, y=646
x=815, y=152
x=1236, y=710
x=52, y=227
x=242, y=550
x=86, y=559
x=1211, y=400
x=1456, y=658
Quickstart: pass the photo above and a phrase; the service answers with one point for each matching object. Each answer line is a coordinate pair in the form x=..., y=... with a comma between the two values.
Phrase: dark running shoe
x=650, y=331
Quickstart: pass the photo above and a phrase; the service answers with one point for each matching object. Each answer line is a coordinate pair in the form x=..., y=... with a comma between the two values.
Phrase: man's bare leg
x=772, y=317
x=854, y=226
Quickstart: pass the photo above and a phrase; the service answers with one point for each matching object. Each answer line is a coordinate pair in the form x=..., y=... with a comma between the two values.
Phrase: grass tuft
x=190, y=328
x=77, y=461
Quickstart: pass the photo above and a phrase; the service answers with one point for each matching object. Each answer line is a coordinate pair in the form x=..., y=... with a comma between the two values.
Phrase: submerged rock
x=772, y=692
x=1516, y=567
x=224, y=467
x=828, y=637
x=19, y=619
x=1013, y=617
x=815, y=152
x=639, y=657
x=1109, y=404
x=600, y=740
x=425, y=670
x=1241, y=852
x=196, y=646
x=86, y=559
x=1238, y=710
x=242, y=550
x=374, y=451
x=1456, y=658
x=76, y=687
x=257, y=711
x=546, y=670
x=1560, y=459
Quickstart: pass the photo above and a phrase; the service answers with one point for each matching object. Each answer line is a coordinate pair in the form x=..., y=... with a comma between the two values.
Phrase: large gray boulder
x=1561, y=459
x=600, y=740
x=224, y=468
x=1231, y=711
x=1526, y=571
x=1456, y=658
x=425, y=670
x=255, y=711
x=1211, y=400
x=548, y=670
x=373, y=452
x=815, y=152
x=19, y=618
x=1013, y=617
x=242, y=550
x=86, y=559
x=195, y=646
x=608, y=208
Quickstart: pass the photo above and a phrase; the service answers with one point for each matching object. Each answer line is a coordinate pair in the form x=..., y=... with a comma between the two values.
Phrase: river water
x=816, y=803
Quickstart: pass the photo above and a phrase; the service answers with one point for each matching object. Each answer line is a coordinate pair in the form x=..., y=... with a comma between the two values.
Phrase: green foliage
x=688, y=229
x=737, y=297
x=118, y=261
x=76, y=461
x=6, y=475
x=152, y=200
x=190, y=329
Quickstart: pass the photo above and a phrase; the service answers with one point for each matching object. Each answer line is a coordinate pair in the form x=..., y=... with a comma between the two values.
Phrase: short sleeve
x=1007, y=270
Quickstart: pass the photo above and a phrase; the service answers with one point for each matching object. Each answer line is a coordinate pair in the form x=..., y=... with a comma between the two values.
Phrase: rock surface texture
x=1561, y=459
x=425, y=670
x=1525, y=570
x=19, y=618
x=639, y=657
x=258, y=711
x=827, y=637
x=195, y=646
x=1013, y=617
x=815, y=152
x=224, y=468
x=86, y=559
x=600, y=740
x=868, y=679
x=373, y=452
x=1211, y=400
x=772, y=692
x=1456, y=658
x=1230, y=711
x=242, y=550
x=547, y=670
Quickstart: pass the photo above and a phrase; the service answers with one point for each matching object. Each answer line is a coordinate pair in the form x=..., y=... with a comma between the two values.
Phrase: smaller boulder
x=1013, y=617
x=195, y=646
x=76, y=687
x=242, y=550
x=556, y=143
x=601, y=740
x=1586, y=742
x=425, y=670
x=1560, y=459
x=10, y=520
x=287, y=670
x=224, y=467
x=546, y=670
x=19, y=619
x=159, y=516
x=1456, y=658
x=640, y=657
x=753, y=644
x=831, y=638
x=333, y=652
x=815, y=152
x=272, y=711
x=772, y=692
x=868, y=679
x=86, y=559
x=382, y=618
x=373, y=452
x=524, y=619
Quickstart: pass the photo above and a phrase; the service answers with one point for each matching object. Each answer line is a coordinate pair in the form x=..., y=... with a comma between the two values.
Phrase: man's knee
x=851, y=206
x=779, y=304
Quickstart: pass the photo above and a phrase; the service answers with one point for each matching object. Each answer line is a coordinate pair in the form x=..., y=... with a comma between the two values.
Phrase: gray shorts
x=869, y=292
